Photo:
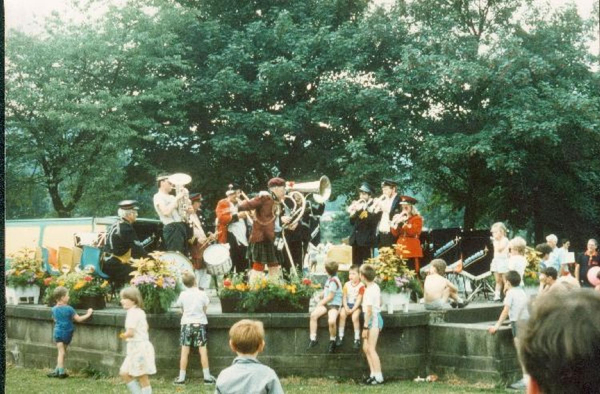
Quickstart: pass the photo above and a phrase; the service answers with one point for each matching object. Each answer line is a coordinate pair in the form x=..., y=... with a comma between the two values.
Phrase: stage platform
x=416, y=343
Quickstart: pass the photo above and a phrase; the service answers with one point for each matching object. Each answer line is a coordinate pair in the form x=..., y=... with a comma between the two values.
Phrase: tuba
x=321, y=189
x=180, y=180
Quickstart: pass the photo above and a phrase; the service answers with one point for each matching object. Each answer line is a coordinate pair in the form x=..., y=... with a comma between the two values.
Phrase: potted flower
x=85, y=289
x=531, y=280
x=265, y=296
x=395, y=279
x=25, y=277
x=157, y=281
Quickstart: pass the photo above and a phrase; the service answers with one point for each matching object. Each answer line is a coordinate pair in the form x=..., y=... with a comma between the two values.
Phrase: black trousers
x=175, y=237
x=297, y=250
x=360, y=254
x=385, y=240
x=118, y=272
x=237, y=252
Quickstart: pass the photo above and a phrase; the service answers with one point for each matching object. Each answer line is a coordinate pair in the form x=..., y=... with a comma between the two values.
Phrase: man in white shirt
x=166, y=205
x=389, y=205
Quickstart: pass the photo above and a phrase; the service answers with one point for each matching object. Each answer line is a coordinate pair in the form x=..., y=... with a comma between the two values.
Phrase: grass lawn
x=22, y=380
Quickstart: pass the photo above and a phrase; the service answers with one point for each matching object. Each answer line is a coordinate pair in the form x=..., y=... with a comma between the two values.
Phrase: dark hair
x=544, y=249
x=354, y=268
x=331, y=267
x=368, y=272
x=551, y=272
x=560, y=346
x=564, y=241
x=513, y=278
x=59, y=293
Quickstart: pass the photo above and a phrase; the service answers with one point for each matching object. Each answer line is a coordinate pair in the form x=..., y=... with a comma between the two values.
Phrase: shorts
x=194, y=335
x=513, y=327
x=376, y=321
x=499, y=265
x=63, y=336
x=330, y=307
x=350, y=305
x=436, y=305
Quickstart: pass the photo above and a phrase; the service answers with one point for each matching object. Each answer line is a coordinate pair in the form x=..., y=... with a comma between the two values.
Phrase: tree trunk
x=538, y=224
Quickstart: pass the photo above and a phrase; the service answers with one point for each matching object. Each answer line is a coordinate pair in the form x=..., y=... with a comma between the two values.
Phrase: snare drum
x=179, y=263
x=217, y=259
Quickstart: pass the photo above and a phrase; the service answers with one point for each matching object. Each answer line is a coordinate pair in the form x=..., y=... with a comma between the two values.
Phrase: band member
x=364, y=222
x=198, y=242
x=267, y=223
x=232, y=227
x=122, y=244
x=167, y=206
x=316, y=209
x=297, y=237
x=388, y=205
x=407, y=226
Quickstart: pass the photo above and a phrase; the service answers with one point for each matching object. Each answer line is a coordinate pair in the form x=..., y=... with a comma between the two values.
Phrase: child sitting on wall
x=438, y=289
x=352, y=295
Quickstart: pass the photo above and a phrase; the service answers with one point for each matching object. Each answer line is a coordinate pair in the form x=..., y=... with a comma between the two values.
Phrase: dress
x=140, y=352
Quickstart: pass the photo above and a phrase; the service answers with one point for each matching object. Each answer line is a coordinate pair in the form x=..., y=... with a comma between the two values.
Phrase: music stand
x=480, y=283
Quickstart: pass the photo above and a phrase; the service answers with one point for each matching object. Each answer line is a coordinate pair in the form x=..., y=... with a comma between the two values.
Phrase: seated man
x=560, y=346
x=122, y=244
x=438, y=289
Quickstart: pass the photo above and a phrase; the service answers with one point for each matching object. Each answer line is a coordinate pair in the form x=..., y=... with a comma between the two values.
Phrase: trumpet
x=356, y=206
x=377, y=205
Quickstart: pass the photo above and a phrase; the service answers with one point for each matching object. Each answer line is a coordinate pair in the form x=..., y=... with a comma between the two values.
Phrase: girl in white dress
x=139, y=362
x=499, y=264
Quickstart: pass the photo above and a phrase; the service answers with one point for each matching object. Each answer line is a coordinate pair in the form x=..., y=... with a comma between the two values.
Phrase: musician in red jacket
x=268, y=220
x=232, y=227
x=407, y=226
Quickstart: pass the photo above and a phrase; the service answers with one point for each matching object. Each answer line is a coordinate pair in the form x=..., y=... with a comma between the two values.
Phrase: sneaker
x=368, y=380
x=331, y=347
x=462, y=304
x=375, y=382
x=356, y=345
x=519, y=385
x=339, y=341
x=53, y=374
x=312, y=344
x=453, y=304
x=211, y=380
x=62, y=376
x=178, y=381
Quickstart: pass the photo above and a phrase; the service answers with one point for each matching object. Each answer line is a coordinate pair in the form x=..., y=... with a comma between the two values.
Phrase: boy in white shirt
x=352, y=295
x=373, y=323
x=194, y=327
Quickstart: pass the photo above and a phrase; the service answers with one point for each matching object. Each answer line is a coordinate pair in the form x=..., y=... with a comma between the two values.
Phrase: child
x=499, y=264
x=330, y=304
x=438, y=289
x=515, y=308
x=194, y=327
x=352, y=295
x=517, y=261
x=63, y=316
x=139, y=362
x=373, y=323
x=247, y=374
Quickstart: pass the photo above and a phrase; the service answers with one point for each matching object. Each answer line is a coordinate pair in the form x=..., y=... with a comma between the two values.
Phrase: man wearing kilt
x=268, y=222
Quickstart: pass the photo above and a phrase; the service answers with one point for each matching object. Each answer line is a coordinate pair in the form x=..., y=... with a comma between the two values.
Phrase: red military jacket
x=224, y=217
x=264, y=205
x=408, y=236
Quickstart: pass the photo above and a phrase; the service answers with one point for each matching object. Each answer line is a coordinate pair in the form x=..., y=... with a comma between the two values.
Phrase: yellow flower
x=79, y=285
x=61, y=282
x=159, y=282
x=104, y=284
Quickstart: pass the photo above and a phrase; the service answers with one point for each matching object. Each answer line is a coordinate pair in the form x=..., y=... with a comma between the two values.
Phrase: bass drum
x=217, y=259
x=179, y=263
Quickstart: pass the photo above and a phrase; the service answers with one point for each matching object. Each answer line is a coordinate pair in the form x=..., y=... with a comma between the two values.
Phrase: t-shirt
x=163, y=199
x=136, y=320
x=333, y=285
x=372, y=298
x=193, y=300
x=63, y=316
x=516, y=300
x=517, y=263
x=352, y=291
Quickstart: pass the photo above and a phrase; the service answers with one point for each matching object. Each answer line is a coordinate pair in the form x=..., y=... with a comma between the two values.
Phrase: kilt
x=263, y=252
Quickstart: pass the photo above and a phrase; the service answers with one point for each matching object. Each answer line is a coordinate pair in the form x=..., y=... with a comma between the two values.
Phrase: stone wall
x=411, y=344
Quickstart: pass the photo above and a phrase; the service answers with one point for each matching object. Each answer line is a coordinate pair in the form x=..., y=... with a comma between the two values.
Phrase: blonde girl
x=499, y=264
x=139, y=362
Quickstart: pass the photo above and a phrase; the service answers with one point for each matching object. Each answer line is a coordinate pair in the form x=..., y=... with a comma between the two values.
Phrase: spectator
x=587, y=260
x=556, y=255
x=560, y=347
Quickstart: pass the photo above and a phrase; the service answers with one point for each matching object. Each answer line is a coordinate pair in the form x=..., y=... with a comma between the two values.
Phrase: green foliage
x=79, y=284
x=25, y=270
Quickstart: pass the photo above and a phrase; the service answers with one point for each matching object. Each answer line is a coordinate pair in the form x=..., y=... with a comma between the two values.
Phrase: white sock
x=378, y=376
x=206, y=373
x=341, y=332
x=356, y=335
x=313, y=337
x=496, y=295
x=182, y=374
x=147, y=390
x=332, y=338
x=134, y=387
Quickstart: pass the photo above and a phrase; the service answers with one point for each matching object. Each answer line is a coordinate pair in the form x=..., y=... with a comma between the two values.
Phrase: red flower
x=306, y=281
x=47, y=281
x=227, y=283
x=87, y=278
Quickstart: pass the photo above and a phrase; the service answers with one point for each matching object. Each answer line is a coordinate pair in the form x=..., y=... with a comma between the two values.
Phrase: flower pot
x=95, y=302
x=23, y=295
x=395, y=301
x=229, y=304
